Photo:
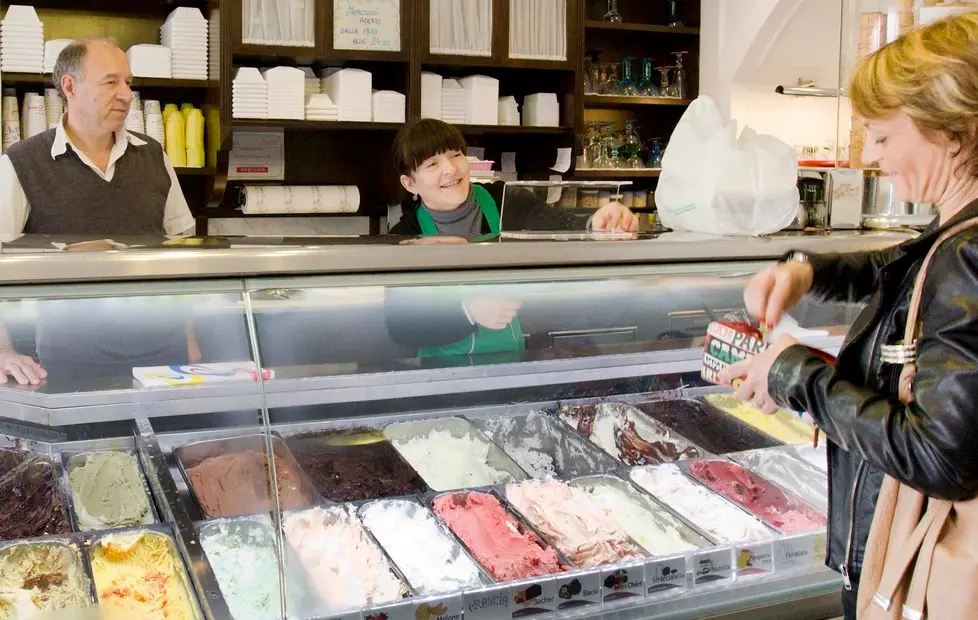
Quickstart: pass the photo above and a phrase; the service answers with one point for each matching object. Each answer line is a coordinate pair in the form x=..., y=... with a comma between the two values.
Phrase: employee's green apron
x=482, y=340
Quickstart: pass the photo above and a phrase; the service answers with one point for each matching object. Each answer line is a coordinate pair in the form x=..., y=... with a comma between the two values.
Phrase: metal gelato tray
x=766, y=519
x=636, y=416
x=808, y=483
x=191, y=455
x=522, y=524
x=537, y=432
x=38, y=453
x=160, y=530
x=458, y=428
x=301, y=600
x=706, y=426
x=342, y=512
x=72, y=459
x=73, y=545
x=664, y=517
x=416, y=510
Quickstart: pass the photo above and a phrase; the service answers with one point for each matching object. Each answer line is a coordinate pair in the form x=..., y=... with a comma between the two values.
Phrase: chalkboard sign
x=367, y=25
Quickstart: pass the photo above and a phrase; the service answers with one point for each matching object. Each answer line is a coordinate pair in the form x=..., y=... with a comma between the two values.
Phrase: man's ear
x=408, y=184
x=68, y=85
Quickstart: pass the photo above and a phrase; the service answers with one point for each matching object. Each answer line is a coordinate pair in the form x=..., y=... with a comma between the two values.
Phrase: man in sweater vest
x=90, y=176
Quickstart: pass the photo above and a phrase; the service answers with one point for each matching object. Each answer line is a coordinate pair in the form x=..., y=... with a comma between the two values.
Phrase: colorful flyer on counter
x=199, y=374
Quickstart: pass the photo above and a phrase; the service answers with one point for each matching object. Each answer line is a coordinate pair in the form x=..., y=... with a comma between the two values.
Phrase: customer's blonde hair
x=931, y=74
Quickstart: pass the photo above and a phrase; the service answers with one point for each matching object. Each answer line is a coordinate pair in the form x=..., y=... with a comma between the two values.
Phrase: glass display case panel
x=124, y=353
x=558, y=210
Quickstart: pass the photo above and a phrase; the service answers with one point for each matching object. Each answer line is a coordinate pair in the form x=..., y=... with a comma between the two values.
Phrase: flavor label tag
x=536, y=597
x=439, y=608
x=754, y=559
x=392, y=611
x=665, y=576
x=490, y=603
x=352, y=615
x=712, y=567
x=623, y=581
x=578, y=589
x=799, y=552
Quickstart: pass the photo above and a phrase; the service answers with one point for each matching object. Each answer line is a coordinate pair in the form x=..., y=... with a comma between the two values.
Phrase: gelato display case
x=328, y=429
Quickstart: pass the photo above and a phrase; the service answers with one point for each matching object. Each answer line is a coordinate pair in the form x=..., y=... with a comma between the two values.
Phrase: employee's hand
x=23, y=369
x=491, y=313
x=615, y=216
x=435, y=240
x=753, y=372
x=777, y=290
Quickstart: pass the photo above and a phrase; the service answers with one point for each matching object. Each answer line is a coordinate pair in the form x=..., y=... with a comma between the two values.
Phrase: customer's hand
x=23, y=369
x=615, y=216
x=435, y=240
x=750, y=375
x=492, y=313
x=776, y=290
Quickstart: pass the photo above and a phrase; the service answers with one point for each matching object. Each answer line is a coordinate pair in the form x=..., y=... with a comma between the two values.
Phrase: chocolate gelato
x=707, y=427
x=237, y=483
x=31, y=501
x=627, y=434
x=353, y=470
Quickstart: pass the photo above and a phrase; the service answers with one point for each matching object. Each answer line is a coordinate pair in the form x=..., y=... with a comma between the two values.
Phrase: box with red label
x=729, y=343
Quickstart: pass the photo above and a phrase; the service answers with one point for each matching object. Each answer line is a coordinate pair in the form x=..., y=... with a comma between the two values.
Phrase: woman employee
x=430, y=157
x=450, y=321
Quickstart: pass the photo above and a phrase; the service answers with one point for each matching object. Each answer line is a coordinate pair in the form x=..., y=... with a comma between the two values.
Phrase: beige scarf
x=922, y=554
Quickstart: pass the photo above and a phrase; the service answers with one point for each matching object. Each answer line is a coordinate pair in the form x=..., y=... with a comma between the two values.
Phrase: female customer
x=918, y=97
x=430, y=157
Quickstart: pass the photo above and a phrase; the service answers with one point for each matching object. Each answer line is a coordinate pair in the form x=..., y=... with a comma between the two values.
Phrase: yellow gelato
x=138, y=575
x=782, y=425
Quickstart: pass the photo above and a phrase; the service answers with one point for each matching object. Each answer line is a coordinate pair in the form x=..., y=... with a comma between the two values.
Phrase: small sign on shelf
x=367, y=25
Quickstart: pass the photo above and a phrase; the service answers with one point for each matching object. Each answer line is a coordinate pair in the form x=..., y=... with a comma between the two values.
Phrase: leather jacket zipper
x=844, y=567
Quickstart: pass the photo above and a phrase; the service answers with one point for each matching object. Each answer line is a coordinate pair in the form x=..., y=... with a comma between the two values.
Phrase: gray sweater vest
x=69, y=198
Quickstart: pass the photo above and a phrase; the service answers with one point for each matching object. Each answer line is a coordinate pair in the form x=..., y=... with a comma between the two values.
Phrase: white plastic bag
x=714, y=183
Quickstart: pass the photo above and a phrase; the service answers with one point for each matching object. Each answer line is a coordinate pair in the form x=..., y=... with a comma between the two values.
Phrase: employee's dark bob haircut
x=424, y=138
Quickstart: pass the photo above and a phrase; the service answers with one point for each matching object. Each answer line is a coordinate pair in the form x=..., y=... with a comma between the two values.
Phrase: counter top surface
x=36, y=260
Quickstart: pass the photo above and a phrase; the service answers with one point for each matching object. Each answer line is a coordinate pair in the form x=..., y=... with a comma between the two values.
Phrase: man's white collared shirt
x=15, y=209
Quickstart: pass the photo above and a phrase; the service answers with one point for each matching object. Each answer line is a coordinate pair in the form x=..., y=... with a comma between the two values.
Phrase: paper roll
x=282, y=199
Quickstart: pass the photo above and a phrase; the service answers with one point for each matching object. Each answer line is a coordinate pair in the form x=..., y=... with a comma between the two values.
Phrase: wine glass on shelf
x=655, y=153
x=626, y=85
x=679, y=75
x=592, y=146
x=611, y=78
x=612, y=15
x=647, y=87
x=667, y=89
x=632, y=146
x=674, y=21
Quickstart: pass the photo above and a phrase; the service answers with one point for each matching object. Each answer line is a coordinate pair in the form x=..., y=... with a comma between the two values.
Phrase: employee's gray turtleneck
x=463, y=221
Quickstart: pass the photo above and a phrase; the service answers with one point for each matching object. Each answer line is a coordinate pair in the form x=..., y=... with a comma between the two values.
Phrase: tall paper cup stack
x=35, y=119
x=53, y=108
x=11, y=119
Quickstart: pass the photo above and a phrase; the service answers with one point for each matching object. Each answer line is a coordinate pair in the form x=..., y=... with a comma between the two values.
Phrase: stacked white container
x=52, y=49
x=509, y=111
x=453, y=100
x=350, y=90
x=388, y=106
x=313, y=86
x=481, y=100
x=430, y=95
x=319, y=107
x=541, y=110
x=185, y=32
x=21, y=40
x=153, y=61
x=286, y=93
x=249, y=94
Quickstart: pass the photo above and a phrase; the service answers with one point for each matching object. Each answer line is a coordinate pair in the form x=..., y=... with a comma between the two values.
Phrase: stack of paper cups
x=53, y=107
x=153, y=117
x=134, y=120
x=11, y=119
x=34, y=118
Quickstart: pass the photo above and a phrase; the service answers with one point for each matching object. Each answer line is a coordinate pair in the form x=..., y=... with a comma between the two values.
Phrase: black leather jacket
x=931, y=444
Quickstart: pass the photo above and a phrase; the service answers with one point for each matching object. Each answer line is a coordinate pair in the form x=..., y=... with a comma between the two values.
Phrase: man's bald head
x=71, y=60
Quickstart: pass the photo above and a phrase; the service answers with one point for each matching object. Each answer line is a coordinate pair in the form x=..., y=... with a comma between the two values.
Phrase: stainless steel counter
x=37, y=265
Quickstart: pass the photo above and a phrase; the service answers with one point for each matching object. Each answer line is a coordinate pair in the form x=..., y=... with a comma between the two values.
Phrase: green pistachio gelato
x=107, y=490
